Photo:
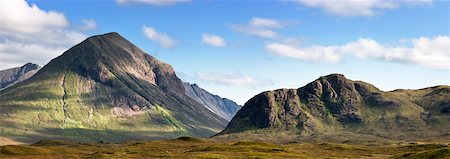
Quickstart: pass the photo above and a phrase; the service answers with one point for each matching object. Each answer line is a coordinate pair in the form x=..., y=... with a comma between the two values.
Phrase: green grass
x=187, y=147
x=31, y=115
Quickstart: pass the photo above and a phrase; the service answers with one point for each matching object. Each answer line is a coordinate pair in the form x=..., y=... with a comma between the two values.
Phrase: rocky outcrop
x=12, y=76
x=337, y=94
x=335, y=104
x=223, y=107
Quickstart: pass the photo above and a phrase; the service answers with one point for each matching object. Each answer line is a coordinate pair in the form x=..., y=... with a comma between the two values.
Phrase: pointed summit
x=12, y=76
x=108, y=84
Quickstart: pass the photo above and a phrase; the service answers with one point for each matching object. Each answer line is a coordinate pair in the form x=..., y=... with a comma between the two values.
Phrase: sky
x=237, y=49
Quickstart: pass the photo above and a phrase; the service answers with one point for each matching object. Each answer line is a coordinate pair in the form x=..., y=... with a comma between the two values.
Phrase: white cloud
x=235, y=79
x=315, y=53
x=29, y=34
x=161, y=38
x=89, y=24
x=429, y=52
x=213, y=40
x=15, y=54
x=350, y=8
x=261, y=27
x=265, y=23
x=152, y=2
x=19, y=17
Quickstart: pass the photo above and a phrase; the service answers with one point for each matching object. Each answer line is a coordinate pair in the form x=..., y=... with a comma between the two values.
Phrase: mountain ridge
x=333, y=104
x=223, y=107
x=12, y=76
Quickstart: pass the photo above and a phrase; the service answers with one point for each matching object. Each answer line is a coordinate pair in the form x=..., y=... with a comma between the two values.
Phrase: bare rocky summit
x=12, y=76
x=223, y=107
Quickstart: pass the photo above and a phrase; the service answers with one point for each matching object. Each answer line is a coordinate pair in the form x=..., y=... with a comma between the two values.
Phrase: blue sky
x=237, y=49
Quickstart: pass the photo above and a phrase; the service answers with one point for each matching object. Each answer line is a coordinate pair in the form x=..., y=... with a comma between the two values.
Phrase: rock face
x=335, y=104
x=104, y=88
x=12, y=76
x=223, y=107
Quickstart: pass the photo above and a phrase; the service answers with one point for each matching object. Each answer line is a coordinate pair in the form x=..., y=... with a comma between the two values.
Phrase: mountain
x=12, y=76
x=335, y=106
x=104, y=88
x=223, y=107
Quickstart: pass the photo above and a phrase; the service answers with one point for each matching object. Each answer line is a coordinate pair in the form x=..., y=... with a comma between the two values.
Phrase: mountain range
x=106, y=88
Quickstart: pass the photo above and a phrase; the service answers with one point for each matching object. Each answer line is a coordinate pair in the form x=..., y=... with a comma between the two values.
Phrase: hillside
x=223, y=107
x=104, y=88
x=333, y=107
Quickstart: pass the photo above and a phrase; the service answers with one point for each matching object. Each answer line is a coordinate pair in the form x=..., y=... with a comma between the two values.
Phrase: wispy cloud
x=429, y=52
x=235, y=79
x=260, y=27
x=151, y=2
x=351, y=8
x=30, y=34
x=213, y=40
x=258, y=22
x=161, y=38
x=89, y=24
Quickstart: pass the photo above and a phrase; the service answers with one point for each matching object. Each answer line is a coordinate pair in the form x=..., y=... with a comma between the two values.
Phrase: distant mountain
x=104, y=88
x=334, y=105
x=223, y=107
x=12, y=76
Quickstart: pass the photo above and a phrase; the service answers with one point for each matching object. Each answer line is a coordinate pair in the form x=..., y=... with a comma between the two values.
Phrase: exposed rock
x=223, y=107
x=12, y=76
x=333, y=103
x=337, y=94
x=107, y=83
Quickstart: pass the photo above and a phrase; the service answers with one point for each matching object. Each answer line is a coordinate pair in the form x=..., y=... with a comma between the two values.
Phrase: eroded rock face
x=223, y=107
x=12, y=76
x=333, y=103
x=106, y=82
x=337, y=94
x=329, y=98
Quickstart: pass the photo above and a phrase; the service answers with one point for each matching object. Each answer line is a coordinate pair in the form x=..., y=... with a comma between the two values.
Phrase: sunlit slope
x=104, y=88
x=335, y=106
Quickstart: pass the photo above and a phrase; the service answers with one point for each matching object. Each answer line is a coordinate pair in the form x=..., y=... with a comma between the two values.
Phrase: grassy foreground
x=207, y=148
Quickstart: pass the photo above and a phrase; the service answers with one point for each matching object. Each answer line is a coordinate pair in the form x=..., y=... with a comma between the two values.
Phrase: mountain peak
x=30, y=66
x=12, y=76
x=111, y=35
x=335, y=76
x=102, y=81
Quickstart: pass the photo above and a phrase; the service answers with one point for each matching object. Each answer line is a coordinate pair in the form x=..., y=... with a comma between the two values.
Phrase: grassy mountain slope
x=104, y=88
x=333, y=106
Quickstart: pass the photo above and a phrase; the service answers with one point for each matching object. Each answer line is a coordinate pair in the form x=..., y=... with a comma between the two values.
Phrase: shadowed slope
x=223, y=107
